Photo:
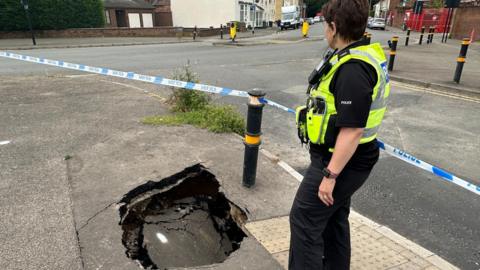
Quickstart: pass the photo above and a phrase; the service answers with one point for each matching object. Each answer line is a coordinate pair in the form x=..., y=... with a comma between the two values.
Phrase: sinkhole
x=180, y=221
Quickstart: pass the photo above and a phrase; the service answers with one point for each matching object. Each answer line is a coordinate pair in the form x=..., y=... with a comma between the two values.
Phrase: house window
x=252, y=14
x=134, y=20
x=242, y=12
x=147, y=19
x=107, y=16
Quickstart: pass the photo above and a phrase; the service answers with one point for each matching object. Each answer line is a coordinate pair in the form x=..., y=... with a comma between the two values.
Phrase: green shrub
x=184, y=100
x=51, y=14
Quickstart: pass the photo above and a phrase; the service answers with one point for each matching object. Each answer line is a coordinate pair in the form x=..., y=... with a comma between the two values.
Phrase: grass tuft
x=195, y=108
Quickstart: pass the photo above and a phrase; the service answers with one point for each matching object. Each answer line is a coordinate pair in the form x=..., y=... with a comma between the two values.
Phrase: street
x=439, y=129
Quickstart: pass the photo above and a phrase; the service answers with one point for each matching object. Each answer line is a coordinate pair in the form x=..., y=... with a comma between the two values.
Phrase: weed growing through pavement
x=195, y=108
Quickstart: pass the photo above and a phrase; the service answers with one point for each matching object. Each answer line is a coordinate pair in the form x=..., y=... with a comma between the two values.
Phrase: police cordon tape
x=231, y=92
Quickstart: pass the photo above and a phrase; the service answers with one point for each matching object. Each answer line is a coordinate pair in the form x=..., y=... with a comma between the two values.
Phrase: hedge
x=52, y=14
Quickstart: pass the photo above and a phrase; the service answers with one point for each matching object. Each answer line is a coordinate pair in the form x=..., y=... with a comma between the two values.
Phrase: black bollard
x=252, y=137
x=408, y=37
x=421, y=35
x=428, y=35
x=393, y=52
x=369, y=38
x=195, y=32
x=461, y=60
x=221, y=31
x=432, y=34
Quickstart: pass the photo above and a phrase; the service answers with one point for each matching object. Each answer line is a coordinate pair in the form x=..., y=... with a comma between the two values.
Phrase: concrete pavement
x=410, y=201
x=433, y=65
x=55, y=43
x=77, y=146
x=262, y=36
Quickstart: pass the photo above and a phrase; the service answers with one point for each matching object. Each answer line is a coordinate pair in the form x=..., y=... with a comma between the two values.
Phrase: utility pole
x=27, y=11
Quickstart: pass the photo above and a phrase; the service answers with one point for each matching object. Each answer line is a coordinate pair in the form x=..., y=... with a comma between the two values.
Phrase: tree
x=314, y=6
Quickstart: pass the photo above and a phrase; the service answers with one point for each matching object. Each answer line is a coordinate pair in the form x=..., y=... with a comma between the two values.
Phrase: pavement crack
x=95, y=215
x=397, y=127
x=68, y=173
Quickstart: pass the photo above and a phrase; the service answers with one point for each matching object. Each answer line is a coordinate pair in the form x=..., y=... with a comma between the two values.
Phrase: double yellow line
x=435, y=92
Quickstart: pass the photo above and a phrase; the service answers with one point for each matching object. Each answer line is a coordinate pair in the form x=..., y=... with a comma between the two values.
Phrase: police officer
x=346, y=103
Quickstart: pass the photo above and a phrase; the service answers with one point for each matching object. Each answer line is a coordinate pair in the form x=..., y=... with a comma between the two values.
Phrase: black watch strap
x=329, y=174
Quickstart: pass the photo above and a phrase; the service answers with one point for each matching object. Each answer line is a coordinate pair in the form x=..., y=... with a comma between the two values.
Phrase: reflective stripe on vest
x=372, y=54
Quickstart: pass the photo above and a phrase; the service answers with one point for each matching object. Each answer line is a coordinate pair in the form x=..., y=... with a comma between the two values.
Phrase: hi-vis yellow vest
x=317, y=122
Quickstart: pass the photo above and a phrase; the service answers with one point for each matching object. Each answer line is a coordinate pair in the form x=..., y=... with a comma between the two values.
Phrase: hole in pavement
x=180, y=221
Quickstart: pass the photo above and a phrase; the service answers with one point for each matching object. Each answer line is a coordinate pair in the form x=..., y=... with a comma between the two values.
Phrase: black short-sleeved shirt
x=352, y=86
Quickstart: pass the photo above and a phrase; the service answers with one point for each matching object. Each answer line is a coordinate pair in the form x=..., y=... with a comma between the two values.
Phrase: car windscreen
x=287, y=16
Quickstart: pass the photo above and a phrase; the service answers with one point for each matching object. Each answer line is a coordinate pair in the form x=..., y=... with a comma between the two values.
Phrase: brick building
x=128, y=13
x=163, y=12
x=467, y=18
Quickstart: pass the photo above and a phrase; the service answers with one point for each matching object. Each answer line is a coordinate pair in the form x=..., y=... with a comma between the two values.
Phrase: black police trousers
x=320, y=234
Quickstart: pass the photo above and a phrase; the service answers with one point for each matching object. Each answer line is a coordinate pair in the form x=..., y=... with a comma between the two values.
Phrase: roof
x=160, y=2
x=127, y=4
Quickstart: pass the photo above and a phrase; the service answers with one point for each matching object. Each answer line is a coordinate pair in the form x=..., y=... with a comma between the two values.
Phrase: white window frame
x=107, y=16
x=147, y=17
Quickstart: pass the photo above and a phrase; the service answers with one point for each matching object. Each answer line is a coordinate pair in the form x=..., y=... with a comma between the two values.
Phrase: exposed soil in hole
x=180, y=221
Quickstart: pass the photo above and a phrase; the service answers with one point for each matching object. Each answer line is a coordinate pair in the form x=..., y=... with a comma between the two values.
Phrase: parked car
x=316, y=19
x=310, y=21
x=370, y=19
x=377, y=23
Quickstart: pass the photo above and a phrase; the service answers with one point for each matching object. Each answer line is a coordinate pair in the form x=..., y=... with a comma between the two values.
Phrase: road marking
x=4, y=142
x=138, y=88
x=435, y=92
x=80, y=75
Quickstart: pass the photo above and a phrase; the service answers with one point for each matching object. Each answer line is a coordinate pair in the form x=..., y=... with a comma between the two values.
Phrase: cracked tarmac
x=77, y=148
x=180, y=221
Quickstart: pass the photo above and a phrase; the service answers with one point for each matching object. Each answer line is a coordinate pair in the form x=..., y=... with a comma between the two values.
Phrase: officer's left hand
x=325, y=191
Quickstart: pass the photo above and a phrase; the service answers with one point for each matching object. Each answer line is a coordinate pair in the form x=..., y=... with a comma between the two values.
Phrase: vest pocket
x=331, y=131
x=317, y=107
x=301, y=121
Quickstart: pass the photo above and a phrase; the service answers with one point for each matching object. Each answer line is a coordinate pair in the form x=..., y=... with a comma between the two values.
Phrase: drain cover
x=180, y=221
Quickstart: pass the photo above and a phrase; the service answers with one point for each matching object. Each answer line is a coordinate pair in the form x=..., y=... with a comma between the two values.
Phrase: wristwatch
x=329, y=174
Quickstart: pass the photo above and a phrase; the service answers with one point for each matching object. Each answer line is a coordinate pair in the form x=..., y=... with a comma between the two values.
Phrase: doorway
x=121, y=18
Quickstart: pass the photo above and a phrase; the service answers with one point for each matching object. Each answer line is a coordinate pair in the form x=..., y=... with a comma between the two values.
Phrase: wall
x=163, y=18
x=465, y=19
x=278, y=9
x=204, y=13
x=269, y=10
x=398, y=15
x=111, y=32
x=163, y=14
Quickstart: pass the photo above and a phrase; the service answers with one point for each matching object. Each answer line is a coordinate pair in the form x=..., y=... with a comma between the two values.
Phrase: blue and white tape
x=231, y=92
x=400, y=154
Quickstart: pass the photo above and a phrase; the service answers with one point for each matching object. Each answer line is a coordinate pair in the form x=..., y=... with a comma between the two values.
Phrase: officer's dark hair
x=350, y=17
